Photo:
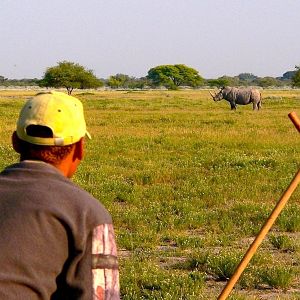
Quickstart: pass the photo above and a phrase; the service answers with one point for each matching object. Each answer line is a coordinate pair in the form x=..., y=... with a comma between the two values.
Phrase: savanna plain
x=189, y=184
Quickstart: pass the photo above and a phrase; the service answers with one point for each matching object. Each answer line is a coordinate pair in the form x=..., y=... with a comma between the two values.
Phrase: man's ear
x=15, y=142
x=79, y=149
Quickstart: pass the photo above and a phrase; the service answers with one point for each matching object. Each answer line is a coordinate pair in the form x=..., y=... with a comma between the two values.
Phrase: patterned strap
x=102, y=261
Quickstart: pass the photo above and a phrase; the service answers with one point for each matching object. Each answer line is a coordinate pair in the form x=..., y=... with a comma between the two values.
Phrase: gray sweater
x=56, y=240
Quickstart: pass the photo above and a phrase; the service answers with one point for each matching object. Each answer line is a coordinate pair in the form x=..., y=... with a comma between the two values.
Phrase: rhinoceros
x=240, y=96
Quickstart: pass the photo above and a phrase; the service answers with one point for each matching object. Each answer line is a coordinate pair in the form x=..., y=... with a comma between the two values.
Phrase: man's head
x=59, y=116
x=50, y=126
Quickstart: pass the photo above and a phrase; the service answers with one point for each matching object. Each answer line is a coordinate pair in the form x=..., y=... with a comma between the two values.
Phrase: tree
x=173, y=76
x=267, y=82
x=220, y=82
x=2, y=79
x=246, y=77
x=70, y=75
x=229, y=81
x=126, y=82
x=139, y=83
x=288, y=75
x=296, y=77
x=118, y=81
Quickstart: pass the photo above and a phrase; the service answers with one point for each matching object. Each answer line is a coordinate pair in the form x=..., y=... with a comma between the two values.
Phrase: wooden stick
x=266, y=227
x=294, y=118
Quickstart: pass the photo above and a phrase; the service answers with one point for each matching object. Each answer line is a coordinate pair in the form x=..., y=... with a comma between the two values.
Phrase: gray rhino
x=240, y=96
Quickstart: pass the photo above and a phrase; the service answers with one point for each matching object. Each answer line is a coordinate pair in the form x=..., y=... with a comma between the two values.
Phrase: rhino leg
x=259, y=105
x=256, y=105
x=233, y=106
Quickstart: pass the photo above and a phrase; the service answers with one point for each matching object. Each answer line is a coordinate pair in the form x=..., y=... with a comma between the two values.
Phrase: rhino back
x=230, y=93
x=243, y=96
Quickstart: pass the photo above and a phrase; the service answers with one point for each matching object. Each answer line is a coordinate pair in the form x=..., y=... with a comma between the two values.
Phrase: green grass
x=189, y=184
x=278, y=276
x=282, y=242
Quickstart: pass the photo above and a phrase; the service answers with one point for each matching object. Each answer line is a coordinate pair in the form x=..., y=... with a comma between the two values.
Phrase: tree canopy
x=296, y=77
x=248, y=77
x=70, y=75
x=267, y=82
x=124, y=81
x=223, y=81
x=2, y=79
x=173, y=76
x=288, y=75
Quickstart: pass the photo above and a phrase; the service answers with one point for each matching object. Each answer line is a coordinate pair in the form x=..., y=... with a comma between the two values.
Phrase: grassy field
x=189, y=184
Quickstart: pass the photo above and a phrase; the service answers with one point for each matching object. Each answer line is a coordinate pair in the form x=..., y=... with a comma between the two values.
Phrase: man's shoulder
x=47, y=186
x=86, y=201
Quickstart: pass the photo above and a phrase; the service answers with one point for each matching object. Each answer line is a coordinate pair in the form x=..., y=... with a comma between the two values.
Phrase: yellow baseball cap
x=58, y=112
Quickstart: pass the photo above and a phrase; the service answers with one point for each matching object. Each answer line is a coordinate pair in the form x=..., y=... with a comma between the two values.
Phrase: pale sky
x=215, y=37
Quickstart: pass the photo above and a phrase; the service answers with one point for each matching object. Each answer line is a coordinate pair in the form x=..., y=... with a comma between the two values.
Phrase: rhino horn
x=212, y=94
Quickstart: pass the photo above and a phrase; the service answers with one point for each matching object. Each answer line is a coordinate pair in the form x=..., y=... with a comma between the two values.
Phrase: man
x=56, y=240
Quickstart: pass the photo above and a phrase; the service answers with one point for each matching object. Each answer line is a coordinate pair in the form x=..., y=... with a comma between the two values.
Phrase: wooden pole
x=294, y=118
x=266, y=227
